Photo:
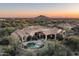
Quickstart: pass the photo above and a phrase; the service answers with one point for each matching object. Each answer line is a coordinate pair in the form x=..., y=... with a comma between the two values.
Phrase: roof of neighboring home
x=66, y=25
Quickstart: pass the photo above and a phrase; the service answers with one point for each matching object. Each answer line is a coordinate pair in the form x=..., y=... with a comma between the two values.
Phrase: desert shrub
x=53, y=48
x=9, y=30
x=14, y=41
x=73, y=42
x=14, y=44
x=6, y=31
x=9, y=50
x=4, y=40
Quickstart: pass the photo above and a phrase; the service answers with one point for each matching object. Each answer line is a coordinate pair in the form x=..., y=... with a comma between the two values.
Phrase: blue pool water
x=32, y=45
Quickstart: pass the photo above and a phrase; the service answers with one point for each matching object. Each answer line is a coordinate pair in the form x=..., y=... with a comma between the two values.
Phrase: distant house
x=3, y=19
x=66, y=26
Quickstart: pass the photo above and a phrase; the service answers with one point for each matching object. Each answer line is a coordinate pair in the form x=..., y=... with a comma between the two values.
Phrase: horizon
x=38, y=16
x=53, y=10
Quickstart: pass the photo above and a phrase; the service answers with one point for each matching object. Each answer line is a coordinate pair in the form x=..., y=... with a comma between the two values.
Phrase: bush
x=51, y=48
x=8, y=50
x=73, y=42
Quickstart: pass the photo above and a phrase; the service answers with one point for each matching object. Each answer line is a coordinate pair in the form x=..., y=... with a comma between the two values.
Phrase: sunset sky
x=35, y=9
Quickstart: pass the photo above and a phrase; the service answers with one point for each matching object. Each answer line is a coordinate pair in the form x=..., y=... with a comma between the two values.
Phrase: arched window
x=40, y=35
x=51, y=36
x=34, y=38
x=29, y=38
x=59, y=37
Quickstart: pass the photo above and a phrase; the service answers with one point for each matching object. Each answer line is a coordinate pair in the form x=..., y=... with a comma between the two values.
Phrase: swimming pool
x=34, y=44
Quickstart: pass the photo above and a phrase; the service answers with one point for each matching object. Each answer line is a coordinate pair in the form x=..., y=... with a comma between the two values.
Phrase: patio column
x=45, y=37
x=22, y=39
x=64, y=34
x=55, y=36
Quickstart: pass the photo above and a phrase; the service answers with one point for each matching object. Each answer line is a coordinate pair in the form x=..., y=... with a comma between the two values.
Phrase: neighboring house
x=66, y=26
x=2, y=19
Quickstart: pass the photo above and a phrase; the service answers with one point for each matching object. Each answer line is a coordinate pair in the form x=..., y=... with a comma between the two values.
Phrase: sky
x=36, y=9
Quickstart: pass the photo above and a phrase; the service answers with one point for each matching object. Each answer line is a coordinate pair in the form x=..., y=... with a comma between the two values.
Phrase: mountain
x=41, y=17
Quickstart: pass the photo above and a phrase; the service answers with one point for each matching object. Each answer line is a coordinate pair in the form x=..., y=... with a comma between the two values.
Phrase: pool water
x=32, y=45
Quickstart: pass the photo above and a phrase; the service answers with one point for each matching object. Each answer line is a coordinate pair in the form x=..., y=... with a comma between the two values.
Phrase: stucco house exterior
x=37, y=32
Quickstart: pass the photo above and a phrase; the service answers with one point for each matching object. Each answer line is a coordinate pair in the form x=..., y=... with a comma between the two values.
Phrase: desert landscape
x=49, y=29
x=39, y=37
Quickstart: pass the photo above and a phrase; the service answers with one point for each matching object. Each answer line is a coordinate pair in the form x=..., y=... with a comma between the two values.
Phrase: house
x=2, y=19
x=67, y=26
x=37, y=32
